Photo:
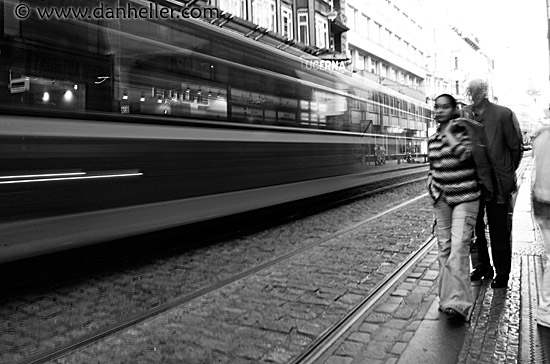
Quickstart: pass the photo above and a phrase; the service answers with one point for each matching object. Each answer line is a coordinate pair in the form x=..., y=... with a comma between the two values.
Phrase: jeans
x=454, y=230
x=542, y=214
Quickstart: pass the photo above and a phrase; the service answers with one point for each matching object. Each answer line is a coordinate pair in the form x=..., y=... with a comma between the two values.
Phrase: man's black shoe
x=500, y=282
x=482, y=273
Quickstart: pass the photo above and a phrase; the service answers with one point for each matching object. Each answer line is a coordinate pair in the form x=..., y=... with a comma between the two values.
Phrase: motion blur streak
x=43, y=175
x=73, y=178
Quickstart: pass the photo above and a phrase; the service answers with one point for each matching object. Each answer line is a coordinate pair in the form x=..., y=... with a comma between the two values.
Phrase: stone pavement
x=408, y=328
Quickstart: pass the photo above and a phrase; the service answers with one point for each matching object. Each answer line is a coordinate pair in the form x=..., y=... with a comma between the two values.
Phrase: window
x=321, y=31
x=374, y=66
x=351, y=17
x=264, y=14
x=394, y=104
x=287, y=26
x=272, y=15
x=360, y=62
x=396, y=41
x=457, y=86
x=375, y=34
x=385, y=41
x=235, y=7
x=303, y=33
x=456, y=64
x=365, y=25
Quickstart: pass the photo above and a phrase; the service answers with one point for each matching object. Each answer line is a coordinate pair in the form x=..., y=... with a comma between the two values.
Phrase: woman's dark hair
x=453, y=103
x=450, y=97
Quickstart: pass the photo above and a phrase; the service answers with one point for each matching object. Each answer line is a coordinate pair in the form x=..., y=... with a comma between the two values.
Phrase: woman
x=455, y=192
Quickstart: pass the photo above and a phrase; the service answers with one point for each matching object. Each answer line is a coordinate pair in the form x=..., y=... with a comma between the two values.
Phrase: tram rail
x=136, y=318
x=317, y=351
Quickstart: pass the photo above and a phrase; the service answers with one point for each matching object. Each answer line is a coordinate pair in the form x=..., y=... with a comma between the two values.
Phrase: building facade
x=399, y=44
x=314, y=26
x=406, y=47
x=455, y=59
x=387, y=44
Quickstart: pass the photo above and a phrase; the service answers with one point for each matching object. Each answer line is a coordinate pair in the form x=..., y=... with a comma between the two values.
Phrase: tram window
x=31, y=91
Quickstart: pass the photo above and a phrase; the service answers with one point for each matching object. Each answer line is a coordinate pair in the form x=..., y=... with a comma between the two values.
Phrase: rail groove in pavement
x=62, y=350
x=331, y=335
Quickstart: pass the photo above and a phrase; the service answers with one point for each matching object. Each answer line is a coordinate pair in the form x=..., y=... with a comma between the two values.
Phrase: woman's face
x=443, y=109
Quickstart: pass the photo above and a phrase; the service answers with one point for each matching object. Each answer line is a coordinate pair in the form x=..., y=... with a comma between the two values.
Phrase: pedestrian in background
x=541, y=209
x=453, y=187
x=505, y=148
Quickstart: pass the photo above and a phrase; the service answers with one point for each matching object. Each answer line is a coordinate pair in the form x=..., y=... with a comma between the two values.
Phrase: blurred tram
x=110, y=128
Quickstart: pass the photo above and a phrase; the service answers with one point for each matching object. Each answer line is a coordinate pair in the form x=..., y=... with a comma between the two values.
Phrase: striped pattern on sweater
x=452, y=169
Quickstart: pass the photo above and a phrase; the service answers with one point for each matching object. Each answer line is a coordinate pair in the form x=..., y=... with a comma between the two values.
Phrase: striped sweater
x=452, y=169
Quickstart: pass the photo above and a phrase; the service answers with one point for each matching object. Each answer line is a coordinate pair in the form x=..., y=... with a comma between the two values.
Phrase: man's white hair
x=479, y=85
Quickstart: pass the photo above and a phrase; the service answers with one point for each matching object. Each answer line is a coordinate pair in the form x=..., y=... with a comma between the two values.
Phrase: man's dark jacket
x=504, y=144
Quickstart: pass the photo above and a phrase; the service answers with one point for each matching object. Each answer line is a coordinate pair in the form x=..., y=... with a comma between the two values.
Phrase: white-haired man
x=505, y=147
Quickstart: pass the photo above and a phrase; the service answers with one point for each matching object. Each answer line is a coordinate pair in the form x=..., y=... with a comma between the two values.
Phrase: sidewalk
x=502, y=327
x=408, y=328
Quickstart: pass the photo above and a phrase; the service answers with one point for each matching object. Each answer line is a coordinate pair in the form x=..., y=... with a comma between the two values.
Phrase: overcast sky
x=514, y=33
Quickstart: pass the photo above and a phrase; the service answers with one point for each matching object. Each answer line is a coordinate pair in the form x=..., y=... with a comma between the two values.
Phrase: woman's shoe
x=454, y=315
x=482, y=273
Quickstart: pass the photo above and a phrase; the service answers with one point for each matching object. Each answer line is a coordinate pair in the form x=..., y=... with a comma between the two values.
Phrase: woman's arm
x=457, y=138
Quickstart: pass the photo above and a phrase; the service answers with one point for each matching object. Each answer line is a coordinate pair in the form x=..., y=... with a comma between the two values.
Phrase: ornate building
x=455, y=59
x=312, y=26
x=411, y=47
x=387, y=44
